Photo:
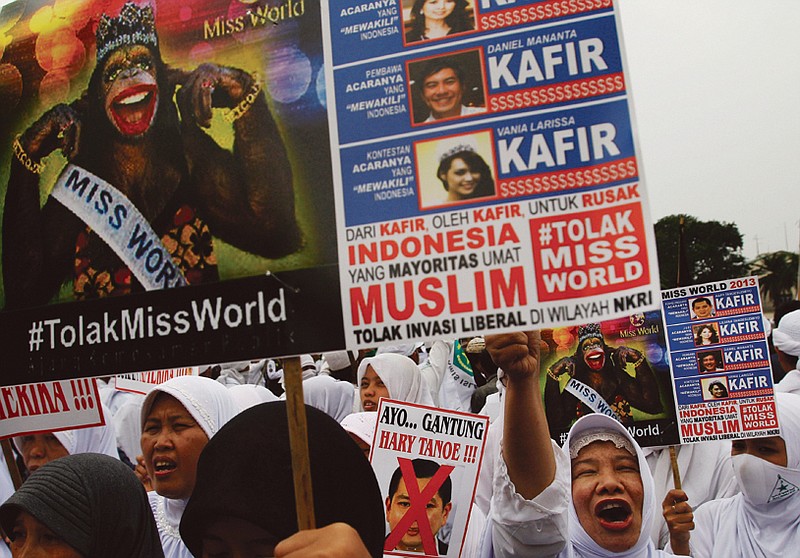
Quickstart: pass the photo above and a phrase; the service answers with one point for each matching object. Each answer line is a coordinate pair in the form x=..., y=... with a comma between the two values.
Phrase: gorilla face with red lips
x=594, y=354
x=130, y=90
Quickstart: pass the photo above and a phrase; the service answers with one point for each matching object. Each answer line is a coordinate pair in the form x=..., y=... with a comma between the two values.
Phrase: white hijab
x=769, y=530
x=97, y=439
x=211, y=405
x=329, y=395
x=207, y=400
x=400, y=375
x=250, y=395
x=790, y=383
x=581, y=544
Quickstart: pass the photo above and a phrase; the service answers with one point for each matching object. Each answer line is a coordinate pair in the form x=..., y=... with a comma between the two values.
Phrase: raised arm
x=527, y=448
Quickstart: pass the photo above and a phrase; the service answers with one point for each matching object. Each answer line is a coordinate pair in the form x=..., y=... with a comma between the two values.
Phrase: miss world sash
x=590, y=398
x=117, y=221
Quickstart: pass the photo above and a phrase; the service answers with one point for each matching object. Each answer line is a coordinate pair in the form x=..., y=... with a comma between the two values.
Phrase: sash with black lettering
x=590, y=398
x=117, y=221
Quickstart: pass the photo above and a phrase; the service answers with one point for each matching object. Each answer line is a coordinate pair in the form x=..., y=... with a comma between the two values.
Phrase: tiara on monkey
x=589, y=331
x=135, y=25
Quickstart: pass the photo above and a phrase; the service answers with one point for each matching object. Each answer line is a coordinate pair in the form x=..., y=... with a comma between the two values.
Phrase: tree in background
x=713, y=250
x=777, y=275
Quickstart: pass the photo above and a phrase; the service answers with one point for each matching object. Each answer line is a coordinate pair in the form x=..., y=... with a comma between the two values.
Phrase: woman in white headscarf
x=250, y=395
x=594, y=498
x=178, y=418
x=333, y=397
x=613, y=504
x=763, y=521
x=42, y=448
x=392, y=376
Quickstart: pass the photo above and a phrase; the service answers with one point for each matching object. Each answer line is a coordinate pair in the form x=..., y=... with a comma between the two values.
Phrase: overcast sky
x=716, y=94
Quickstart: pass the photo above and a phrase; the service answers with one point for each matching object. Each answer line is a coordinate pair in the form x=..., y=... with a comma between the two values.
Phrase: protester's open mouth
x=369, y=405
x=595, y=359
x=134, y=109
x=615, y=515
x=163, y=466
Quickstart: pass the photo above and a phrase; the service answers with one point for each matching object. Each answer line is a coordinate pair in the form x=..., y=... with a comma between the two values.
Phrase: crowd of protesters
x=201, y=466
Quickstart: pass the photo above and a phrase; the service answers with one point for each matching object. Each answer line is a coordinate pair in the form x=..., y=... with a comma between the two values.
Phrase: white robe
x=706, y=474
x=168, y=513
x=548, y=525
x=790, y=383
x=735, y=528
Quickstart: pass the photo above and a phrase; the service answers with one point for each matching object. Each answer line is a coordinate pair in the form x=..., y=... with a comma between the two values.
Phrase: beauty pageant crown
x=589, y=331
x=134, y=26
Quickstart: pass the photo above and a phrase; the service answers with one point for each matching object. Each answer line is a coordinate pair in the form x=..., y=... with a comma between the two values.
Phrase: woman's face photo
x=438, y=9
x=706, y=333
x=461, y=180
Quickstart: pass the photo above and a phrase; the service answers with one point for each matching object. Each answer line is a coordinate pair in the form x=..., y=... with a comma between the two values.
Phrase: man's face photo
x=400, y=502
x=442, y=92
x=702, y=308
x=710, y=362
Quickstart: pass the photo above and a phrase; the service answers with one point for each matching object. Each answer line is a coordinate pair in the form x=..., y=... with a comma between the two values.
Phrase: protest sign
x=426, y=456
x=49, y=407
x=234, y=199
x=720, y=361
x=616, y=367
x=357, y=238
x=486, y=180
x=143, y=382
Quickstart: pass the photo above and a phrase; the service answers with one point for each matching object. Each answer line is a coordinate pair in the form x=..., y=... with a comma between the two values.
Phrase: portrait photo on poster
x=456, y=169
x=714, y=388
x=418, y=505
x=710, y=361
x=429, y=20
x=702, y=307
x=447, y=87
x=706, y=334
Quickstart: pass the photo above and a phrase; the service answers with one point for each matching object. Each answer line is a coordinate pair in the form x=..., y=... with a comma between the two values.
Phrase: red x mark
x=417, y=510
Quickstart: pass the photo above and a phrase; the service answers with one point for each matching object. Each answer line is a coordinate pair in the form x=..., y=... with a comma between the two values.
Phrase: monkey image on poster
x=602, y=369
x=137, y=152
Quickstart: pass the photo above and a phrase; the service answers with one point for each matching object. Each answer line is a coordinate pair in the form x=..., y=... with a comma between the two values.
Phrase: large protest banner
x=205, y=162
x=486, y=179
x=426, y=460
x=286, y=162
x=616, y=367
x=720, y=361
